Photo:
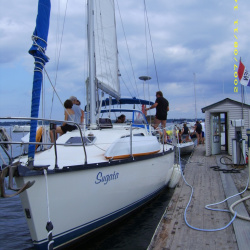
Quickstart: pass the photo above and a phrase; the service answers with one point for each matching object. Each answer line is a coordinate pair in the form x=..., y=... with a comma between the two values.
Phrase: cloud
x=187, y=36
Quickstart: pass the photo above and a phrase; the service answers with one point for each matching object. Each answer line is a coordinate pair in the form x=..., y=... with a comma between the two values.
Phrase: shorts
x=67, y=127
x=161, y=117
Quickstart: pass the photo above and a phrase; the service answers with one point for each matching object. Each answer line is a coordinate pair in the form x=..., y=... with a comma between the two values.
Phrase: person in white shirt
x=79, y=115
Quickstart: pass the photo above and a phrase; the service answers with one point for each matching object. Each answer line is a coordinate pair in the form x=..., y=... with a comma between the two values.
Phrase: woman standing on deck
x=162, y=107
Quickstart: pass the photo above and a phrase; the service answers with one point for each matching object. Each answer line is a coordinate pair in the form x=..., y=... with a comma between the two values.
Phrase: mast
x=92, y=71
x=37, y=50
x=195, y=98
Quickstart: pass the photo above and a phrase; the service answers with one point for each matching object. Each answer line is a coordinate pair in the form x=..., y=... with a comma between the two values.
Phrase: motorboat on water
x=21, y=128
x=186, y=147
x=184, y=144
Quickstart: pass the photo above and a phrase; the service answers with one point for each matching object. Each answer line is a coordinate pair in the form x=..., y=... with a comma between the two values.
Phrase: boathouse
x=225, y=121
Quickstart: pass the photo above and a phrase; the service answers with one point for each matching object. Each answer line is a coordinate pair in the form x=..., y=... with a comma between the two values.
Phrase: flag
x=243, y=75
x=143, y=109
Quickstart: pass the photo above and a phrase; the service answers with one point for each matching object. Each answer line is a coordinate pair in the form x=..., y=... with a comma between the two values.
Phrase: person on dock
x=162, y=107
x=198, y=131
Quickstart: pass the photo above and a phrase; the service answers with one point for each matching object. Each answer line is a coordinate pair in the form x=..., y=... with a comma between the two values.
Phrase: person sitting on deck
x=121, y=119
x=69, y=115
x=186, y=139
x=169, y=139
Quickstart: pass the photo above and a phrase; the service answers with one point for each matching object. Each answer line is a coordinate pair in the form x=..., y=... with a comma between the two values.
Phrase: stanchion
x=53, y=128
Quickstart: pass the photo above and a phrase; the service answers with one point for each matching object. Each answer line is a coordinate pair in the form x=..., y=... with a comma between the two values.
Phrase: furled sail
x=37, y=50
x=106, y=48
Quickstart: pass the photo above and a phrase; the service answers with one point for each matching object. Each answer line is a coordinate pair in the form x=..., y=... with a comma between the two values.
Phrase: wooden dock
x=209, y=187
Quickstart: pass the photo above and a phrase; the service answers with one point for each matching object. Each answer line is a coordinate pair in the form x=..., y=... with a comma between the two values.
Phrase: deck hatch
x=77, y=141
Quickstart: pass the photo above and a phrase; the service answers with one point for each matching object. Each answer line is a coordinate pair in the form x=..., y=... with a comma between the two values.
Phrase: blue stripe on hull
x=72, y=235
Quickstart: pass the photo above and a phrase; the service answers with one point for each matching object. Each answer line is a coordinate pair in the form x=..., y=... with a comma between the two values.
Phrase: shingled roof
x=226, y=100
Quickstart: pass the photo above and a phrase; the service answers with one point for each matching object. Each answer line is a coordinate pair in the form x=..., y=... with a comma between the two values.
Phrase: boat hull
x=186, y=148
x=24, y=128
x=82, y=201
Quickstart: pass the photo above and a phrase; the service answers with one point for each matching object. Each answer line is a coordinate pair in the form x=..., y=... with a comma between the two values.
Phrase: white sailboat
x=94, y=175
x=21, y=128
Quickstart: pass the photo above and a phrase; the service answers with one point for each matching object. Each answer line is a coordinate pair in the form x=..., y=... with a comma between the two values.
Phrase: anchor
x=10, y=171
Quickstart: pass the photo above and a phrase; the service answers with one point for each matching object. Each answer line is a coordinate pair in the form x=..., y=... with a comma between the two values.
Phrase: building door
x=215, y=132
x=224, y=132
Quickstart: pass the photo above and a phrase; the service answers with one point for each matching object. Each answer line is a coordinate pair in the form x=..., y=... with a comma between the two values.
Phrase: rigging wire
x=58, y=59
x=128, y=49
x=195, y=97
x=146, y=21
x=146, y=38
x=53, y=87
x=128, y=78
x=126, y=86
x=146, y=13
x=57, y=94
x=146, y=44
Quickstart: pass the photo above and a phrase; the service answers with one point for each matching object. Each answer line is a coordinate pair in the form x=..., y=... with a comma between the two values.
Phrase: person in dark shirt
x=185, y=131
x=198, y=130
x=162, y=107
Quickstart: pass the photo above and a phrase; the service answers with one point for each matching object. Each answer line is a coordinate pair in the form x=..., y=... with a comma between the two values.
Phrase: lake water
x=133, y=233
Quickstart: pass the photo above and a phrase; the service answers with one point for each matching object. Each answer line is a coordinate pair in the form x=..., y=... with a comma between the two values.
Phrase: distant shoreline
x=180, y=120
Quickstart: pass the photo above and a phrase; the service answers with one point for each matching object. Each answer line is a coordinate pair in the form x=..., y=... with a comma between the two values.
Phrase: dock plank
x=173, y=233
x=241, y=227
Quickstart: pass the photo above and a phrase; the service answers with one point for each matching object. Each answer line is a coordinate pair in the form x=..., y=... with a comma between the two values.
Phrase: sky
x=196, y=48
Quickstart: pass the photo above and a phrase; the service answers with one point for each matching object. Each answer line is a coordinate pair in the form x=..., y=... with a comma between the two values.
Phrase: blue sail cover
x=126, y=101
x=37, y=50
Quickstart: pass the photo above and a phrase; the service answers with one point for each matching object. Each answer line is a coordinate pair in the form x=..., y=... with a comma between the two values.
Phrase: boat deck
x=209, y=187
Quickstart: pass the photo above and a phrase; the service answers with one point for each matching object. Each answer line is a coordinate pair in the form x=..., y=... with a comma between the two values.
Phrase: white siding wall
x=208, y=134
x=234, y=111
